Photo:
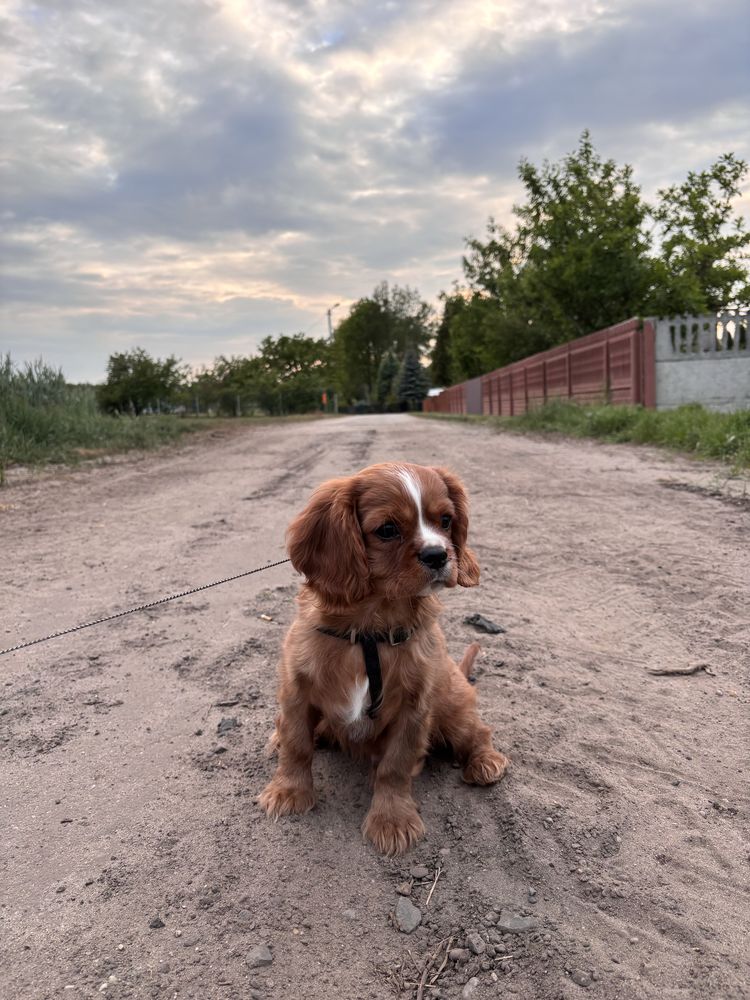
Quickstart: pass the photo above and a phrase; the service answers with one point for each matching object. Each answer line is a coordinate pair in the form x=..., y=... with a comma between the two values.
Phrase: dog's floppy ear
x=325, y=544
x=468, y=567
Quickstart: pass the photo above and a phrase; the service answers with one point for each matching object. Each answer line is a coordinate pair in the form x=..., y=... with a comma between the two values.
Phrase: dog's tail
x=466, y=664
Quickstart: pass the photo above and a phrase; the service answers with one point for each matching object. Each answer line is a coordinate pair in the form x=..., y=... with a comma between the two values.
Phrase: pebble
x=349, y=914
x=404, y=889
x=581, y=977
x=510, y=924
x=259, y=955
x=475, y=942
x=156, y=923
x=408, y=916
x=419, y=871
x=225, y=725
x=470, y=990
x=459, y=955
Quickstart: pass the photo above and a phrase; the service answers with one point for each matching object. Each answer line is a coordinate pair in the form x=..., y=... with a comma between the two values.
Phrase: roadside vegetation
x=691, y=429
x=43, y=419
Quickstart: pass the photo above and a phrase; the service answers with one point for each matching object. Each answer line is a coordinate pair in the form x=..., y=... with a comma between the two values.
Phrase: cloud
x=192, y=176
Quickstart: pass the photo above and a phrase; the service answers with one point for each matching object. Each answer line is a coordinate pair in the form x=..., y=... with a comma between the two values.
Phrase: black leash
x=369, y=643
x=142, y=607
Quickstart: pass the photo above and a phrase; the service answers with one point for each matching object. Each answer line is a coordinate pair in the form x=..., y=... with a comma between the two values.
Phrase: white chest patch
x=427, y=535
x=357, y=700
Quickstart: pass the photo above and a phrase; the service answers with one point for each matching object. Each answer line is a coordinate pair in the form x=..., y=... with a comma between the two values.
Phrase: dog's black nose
x=434, y=556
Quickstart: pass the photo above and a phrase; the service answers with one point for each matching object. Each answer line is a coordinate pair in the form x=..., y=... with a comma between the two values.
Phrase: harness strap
x=369, y=643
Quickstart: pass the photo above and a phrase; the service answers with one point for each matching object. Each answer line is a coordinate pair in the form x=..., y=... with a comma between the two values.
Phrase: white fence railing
x=696, y=338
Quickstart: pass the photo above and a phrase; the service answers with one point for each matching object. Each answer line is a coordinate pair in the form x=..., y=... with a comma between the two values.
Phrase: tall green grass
x=42, y=419
x=692, y=429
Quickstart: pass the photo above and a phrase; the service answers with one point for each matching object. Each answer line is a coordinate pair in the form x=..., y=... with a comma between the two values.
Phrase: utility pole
x=330, y=324
x=330, y=337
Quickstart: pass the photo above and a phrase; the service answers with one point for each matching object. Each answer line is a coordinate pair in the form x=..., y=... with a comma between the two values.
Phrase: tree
x=578, y=258
x=387, y=372
x=413, y=382
x=702, y=266
x=136, y=382
x=391, y=318
x=441, y=360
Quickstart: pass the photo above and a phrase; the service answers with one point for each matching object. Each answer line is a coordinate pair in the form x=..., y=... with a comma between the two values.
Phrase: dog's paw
x=485, y=767
x=393, y=833
x=281, y=799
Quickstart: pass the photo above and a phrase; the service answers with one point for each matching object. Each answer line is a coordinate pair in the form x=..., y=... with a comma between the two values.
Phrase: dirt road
x=135, y=862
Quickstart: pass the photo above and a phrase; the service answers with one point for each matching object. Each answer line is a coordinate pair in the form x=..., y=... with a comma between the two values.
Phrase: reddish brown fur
x=356, y=581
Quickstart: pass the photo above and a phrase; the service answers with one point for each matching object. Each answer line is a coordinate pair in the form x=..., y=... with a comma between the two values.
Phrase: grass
x=43, y=420
x=691, y=429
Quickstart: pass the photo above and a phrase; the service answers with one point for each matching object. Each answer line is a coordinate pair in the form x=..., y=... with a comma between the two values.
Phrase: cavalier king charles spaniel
x=365, y=663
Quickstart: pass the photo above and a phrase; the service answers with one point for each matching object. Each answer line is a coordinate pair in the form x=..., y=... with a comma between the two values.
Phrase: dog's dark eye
x=387, y=531
x=445, y=521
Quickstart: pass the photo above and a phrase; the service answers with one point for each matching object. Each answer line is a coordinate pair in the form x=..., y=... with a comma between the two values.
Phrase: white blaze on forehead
x=428, y=536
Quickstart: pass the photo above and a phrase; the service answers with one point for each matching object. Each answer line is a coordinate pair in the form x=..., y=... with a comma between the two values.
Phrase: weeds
x=704, y=433
x=42, y=419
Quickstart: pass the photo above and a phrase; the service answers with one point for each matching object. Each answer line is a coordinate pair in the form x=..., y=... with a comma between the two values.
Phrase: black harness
x=369, y=643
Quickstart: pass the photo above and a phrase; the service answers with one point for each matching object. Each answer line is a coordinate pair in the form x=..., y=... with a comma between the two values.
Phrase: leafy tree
x=136, y=381
x=413, y=381
x=441, y=360
x=703, y=262
x=578, y=258
x=392, y=318
x=387, y=372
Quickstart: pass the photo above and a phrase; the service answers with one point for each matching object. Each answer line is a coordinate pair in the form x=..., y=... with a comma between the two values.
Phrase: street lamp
x=328, y=314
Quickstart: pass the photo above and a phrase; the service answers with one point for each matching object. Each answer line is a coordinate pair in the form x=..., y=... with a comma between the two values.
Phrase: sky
x=189, y=177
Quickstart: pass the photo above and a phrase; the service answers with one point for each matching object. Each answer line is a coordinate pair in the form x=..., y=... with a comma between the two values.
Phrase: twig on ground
x=685, y=671
x=443, y=964
x=437, y=876
x=426, y=970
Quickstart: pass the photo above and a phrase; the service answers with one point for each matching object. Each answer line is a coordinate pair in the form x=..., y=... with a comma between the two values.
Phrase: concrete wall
x=703, y=359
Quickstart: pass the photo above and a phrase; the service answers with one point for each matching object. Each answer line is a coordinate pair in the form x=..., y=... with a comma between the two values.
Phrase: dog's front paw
x=393, y=832
x=486, y=767
x=279, y=798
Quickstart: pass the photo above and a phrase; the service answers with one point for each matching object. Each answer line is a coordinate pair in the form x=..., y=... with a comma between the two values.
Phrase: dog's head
x=392, y=531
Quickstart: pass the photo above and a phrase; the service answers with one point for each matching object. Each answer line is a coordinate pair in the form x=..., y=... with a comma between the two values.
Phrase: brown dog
x=365, y=662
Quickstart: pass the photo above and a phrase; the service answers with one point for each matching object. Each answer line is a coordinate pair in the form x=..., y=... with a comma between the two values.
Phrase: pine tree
x=413, y=382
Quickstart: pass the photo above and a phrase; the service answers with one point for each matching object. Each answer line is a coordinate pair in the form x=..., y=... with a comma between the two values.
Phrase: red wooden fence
x=616, y=364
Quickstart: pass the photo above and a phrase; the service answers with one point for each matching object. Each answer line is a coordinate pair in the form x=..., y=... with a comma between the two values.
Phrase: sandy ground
x=135, y=862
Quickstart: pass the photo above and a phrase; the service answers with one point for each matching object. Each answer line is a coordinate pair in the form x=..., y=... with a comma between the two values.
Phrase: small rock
x=484, y=624
x=61, y=888
x=475, y=942
x=349, y=914
x=225, y=725
x=190, y=941
x=259, y=955
x=408, y=916
x=404, y=889
x=419, y=871
x=460, y=955
x=510, y=924
x=470, y=990
x=581, y=977
x=156, y=923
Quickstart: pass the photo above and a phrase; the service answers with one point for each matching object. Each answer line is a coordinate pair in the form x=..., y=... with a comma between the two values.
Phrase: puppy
x=365, y=663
